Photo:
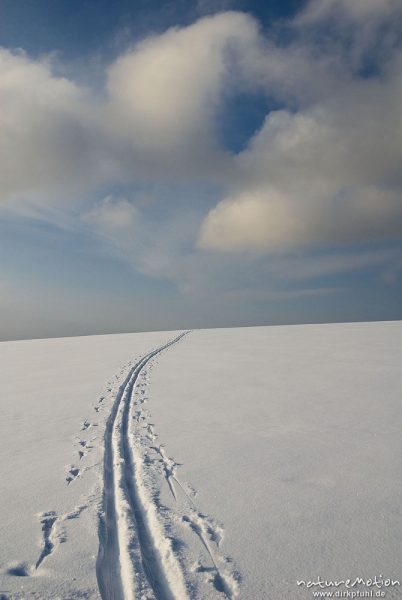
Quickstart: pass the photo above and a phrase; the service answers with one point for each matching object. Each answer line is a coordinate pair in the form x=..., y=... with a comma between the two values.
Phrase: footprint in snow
x=72, y=474
x=86, y=425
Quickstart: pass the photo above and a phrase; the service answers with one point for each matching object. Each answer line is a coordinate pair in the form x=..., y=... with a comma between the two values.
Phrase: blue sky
x=80, y=28
x=182, y=164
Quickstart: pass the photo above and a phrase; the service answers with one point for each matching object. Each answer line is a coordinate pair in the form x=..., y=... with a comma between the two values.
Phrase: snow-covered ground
x=216, y=464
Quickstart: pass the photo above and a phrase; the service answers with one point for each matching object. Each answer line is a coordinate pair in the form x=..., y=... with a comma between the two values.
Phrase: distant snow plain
x=251, y=463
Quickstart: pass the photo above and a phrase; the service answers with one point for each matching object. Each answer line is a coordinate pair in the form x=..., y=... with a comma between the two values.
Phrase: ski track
x=136, y=558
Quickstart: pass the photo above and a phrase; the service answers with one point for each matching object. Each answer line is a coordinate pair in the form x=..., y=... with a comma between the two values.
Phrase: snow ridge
x=135, y=559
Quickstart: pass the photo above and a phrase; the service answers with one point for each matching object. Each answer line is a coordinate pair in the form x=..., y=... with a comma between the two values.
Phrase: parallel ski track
x=130, y=558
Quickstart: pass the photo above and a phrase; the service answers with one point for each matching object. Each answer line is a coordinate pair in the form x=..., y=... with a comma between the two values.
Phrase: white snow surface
x=226, y=463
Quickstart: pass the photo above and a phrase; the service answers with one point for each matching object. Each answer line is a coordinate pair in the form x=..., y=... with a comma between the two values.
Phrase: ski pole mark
x=223, y=582
x=169, y=467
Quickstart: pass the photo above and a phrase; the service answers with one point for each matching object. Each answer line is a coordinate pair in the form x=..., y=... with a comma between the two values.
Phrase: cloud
x=327, y=172
x=155, y=119
x=317, y=11
x=323, y=169
x=165, y=93
x=364, y=33
x=113, y=215
x=270, y=221
x=304, y=267
x=47, y=136
x=255, y=219
x=169, y=86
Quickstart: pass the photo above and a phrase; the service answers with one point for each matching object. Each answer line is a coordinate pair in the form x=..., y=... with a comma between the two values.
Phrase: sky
x=205, y=163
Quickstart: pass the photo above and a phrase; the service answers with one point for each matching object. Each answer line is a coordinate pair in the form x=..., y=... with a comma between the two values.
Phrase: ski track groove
x=134, y=556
